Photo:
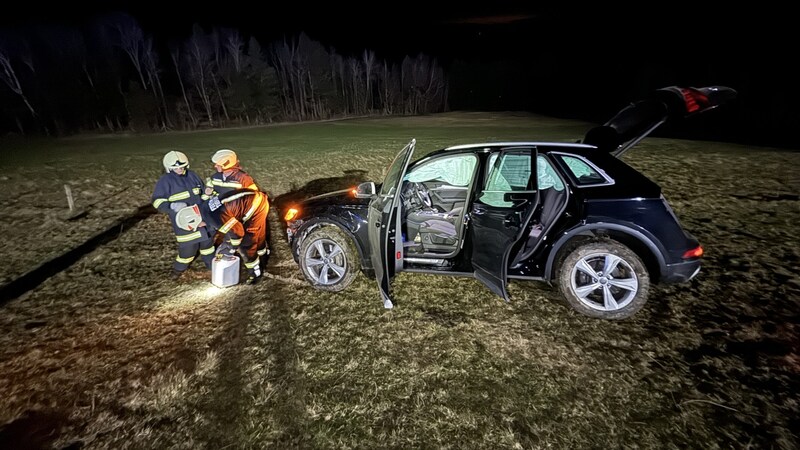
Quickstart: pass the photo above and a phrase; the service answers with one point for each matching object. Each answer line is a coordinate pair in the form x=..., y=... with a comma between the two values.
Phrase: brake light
x=693, y=253
x=290, y=214
x=693, y=99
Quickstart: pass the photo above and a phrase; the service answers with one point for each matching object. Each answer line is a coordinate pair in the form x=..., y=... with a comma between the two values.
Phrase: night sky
x=567, y=60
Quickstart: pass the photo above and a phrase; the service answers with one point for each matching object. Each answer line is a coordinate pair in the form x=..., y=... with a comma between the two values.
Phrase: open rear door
x=383, y=220
x=500, y=214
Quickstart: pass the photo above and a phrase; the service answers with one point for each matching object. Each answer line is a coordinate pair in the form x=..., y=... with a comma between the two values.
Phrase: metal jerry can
x=225, y=271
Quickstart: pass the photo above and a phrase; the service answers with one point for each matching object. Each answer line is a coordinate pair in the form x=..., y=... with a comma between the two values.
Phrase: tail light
x=693, y=253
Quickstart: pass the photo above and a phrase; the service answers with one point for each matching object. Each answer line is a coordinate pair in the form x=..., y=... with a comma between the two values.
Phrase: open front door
x=500, y=214
x=384, y=224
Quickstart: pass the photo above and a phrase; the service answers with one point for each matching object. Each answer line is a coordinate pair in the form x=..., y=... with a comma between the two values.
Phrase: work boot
x=253, y=275
x=176, y=274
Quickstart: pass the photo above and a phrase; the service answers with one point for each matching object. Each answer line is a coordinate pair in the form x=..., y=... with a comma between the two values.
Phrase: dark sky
x=556, y=56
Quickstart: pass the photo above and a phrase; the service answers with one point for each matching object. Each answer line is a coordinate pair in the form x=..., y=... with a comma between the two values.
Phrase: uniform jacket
x=238, y=179
x=236, y=211
x=187, y=188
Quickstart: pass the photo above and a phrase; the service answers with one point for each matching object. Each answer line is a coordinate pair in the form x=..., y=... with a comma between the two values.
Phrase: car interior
x=434, y=196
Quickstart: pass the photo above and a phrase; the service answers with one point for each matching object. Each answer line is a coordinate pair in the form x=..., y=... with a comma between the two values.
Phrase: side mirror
x=365, y=190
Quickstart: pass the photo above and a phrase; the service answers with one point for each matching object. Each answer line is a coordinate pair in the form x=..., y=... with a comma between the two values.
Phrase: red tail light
x=693, y=253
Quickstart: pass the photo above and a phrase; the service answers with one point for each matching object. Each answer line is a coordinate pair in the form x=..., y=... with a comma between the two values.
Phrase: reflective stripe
x=236, y=242
x=188, y=237
x=157, y=202
x=253, y=187
x=228, y=225
x=230, y=184
x=179, y=196
x=184, y=260
x=196, y=191
x=205, y=197
x=256, y=203
x=262, y=252
x=252, y=263
x=237, y=196
x=207, y=251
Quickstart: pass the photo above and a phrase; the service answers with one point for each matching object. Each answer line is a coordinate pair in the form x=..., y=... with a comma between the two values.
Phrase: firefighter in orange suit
x=241, y=216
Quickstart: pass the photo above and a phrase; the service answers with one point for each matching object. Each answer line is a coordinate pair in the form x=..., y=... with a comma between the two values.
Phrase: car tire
x=328, y=259
x=588, y=287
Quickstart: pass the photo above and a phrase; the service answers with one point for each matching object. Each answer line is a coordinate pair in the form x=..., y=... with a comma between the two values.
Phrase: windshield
x=396, y=170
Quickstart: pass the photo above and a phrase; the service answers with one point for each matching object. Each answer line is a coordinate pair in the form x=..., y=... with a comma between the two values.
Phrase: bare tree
x=131, y=40
x=200, y=57
x=9, y=76
x=369, y=62
x=175, y=54
x=150, y=57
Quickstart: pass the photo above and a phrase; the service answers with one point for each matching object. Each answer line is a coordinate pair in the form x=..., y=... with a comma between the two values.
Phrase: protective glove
x=177, y=206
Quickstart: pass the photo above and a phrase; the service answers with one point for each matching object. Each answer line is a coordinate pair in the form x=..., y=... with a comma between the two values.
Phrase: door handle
x=478, y=210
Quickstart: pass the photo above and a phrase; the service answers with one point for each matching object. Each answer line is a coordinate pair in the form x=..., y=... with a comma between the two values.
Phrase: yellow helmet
x=225, y=158
x=188, y=218
x=175, y=160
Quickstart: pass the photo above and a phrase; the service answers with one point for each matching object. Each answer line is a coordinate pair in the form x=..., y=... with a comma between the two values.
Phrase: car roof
x=519, y=144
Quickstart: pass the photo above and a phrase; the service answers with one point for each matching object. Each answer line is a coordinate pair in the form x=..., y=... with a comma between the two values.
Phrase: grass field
x=109, y=353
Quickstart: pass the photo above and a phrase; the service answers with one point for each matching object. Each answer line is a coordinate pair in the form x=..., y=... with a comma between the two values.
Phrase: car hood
x=335, y=198
x=634, y=122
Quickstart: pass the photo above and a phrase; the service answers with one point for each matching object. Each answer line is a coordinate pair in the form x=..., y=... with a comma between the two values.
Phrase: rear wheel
x=604, y=279
x=328, y=259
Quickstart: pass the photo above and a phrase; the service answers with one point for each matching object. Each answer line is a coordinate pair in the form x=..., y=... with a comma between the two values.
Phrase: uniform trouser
x=188, y=250
x=254, y=242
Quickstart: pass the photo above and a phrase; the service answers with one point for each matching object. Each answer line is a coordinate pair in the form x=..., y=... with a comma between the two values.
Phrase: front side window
x=454, y=170
x=396, y=169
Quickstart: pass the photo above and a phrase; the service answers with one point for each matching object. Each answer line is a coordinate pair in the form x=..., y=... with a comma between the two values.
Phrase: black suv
x=569, y=213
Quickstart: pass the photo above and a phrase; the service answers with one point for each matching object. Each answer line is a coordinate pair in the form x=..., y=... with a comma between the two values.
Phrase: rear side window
x=584, y=172
x=511, y=173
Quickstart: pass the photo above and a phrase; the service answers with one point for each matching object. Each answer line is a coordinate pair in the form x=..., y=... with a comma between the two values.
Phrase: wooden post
x=70, y=201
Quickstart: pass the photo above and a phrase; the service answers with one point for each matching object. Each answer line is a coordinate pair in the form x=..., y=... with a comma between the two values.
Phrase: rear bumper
x=681, y=272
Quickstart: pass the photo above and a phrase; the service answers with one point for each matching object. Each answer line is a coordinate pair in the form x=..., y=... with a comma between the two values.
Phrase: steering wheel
x=423, y=195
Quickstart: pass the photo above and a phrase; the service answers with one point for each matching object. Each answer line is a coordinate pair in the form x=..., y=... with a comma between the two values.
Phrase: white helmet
x=175, y=160
x=188, y=218
x=225, y=158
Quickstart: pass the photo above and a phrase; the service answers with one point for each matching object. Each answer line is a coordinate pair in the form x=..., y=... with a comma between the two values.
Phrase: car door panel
x=383, y=217
x=499, y=221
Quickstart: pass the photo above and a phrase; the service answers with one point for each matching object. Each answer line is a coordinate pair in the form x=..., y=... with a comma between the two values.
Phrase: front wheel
x=328, y=259
x=605, y=279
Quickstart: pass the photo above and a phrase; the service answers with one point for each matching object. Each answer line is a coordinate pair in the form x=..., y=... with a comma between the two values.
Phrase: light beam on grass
x=192, y=296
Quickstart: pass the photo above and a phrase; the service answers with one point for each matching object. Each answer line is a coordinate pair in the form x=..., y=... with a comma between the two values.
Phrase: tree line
x=112, y=76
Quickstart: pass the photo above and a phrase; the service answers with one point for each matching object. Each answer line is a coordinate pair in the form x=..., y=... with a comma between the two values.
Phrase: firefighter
x=229, y=175
x=241, y=216
x=177, y=189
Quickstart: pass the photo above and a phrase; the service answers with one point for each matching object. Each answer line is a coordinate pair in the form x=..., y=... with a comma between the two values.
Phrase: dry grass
x=111, y=354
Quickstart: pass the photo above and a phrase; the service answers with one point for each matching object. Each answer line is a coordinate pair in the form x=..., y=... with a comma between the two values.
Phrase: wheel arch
x=640, y=243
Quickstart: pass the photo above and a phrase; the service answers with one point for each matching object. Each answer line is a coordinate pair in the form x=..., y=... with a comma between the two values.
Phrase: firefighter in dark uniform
x=241, y=216
x=228, y=177
x=177, y=189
